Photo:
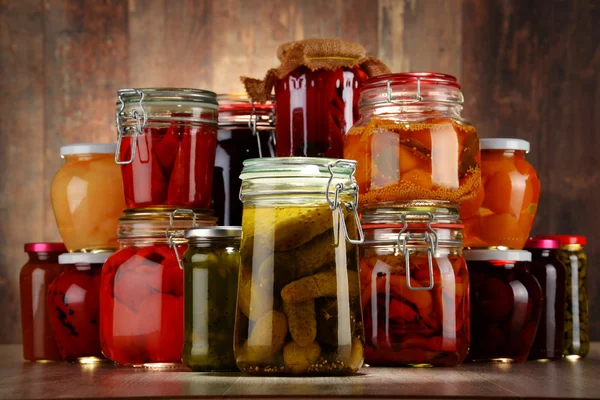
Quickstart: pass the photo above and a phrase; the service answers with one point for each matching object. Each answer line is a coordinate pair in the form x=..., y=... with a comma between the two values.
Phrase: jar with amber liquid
x=412, y=143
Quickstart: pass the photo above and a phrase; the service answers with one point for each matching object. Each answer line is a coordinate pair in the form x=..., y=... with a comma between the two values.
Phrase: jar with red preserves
x=501, y=214
x=166, y=146
x=415, y=286
x=141, y=289
x=506, y=301
x=246, y=130
x=39, y=271
x=551, y=275
x=73, y=306
x=411, y=142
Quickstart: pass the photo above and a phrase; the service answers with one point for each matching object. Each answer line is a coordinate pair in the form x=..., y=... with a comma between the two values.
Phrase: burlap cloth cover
x=315, y=54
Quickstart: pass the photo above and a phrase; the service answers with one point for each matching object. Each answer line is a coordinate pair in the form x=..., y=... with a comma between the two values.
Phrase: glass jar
x=246, y=130
x=211, y=267
x=314, y=110
x=506, y=302
x=501, y=214
x=411, y=142
x=577, y=325
x=415, y=286
x=299, y=307
x=141, y=289
x=166, y=145
x=87, y=197
x=37, y=273
x=551, y=275
x=73, y=306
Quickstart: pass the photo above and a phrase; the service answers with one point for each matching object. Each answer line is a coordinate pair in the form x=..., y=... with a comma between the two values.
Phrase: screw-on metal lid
x=214, y=232
x=497, y=255
x=504, y=144
x=83, y=258
x=45, y=247
x=88, y=148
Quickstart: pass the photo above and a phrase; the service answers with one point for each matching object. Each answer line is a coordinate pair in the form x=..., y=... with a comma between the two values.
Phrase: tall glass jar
x=141, y=289
x=415, y=285
x=37, y=273
x=551, y=275
x=577, y=325
x=74, y=306
x=506, y=305
x=411, y=142
x=87, y=197
x=211, y=268
x=246, y=130
x=299, y=307
x=166, y=142
x=501, y=215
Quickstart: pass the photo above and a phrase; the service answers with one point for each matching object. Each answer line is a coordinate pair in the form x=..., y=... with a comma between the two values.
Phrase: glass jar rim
x=399, y=78
x=205, y=98
x=309, y=167
x=155, y=223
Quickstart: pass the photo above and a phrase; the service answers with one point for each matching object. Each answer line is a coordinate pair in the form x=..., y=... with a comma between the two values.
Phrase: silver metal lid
x=88, y=148
x=83, y=258
x=497, y=255
x=214, y=232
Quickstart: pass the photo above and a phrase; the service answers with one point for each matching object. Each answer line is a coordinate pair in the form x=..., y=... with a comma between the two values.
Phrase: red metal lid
x=565, y=239
x=426, y=78
x=45, y=247
x=540, y=243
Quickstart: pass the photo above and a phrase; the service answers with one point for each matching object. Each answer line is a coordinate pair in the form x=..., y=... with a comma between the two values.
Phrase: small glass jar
x=246, y=130
x=506, y=302
x=73, y=306
x=299, y=309
x=415, y=286
x=501, y=214
x=141, y=290
x=37, y=273
x=411, y=142
x=87, y=197
x=577, y=325
x=166, y=145
x=314, y=110
x=211, y=267
x=551, y=275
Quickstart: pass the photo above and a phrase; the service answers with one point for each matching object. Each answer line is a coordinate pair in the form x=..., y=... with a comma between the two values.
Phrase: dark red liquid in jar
x=141, y=306
x=73, y=306
x=505, y=304
x=173, y=167
x=314, y=110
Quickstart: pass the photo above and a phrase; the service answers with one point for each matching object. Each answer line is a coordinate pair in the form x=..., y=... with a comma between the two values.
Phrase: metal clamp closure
x=350, y=206
x=415, y=98
x=252, y=121
x=171, y=235
x=140, y=118
x=429, y=237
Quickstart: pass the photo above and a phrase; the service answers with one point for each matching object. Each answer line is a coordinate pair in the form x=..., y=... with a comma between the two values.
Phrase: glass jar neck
x=571, y=247
x=48, y=257
x=542, y=253
x=413, y=112
x=72, y=158
x=516, y=154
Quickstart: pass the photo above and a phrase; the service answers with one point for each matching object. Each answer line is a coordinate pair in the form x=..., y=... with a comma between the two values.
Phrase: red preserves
x=73, y=305
x=39, y=271
x=506, y=302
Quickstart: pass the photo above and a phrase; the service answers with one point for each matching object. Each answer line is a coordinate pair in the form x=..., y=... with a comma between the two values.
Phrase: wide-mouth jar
x=166, y=142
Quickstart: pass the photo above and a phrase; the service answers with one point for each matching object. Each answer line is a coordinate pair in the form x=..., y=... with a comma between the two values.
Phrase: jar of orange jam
x=87, y=197
x=411, y=142
x=502, y=212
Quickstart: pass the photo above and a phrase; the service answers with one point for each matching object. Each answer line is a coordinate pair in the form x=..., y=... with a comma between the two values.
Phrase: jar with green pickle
x=577, y=337
x=299, y=310
x=211, y=266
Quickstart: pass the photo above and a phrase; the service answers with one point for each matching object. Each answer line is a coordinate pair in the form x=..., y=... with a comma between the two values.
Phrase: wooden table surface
x=563, y=379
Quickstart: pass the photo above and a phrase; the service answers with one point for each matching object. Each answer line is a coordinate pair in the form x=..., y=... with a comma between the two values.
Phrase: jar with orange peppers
x=411, y=142
x=502, y=213
x=141, y=288
x=415, y=285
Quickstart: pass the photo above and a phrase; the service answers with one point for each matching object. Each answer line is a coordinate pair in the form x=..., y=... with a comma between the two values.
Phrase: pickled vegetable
x=297, y=267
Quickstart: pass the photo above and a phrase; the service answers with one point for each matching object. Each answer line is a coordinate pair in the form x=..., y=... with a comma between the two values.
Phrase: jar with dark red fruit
x=415, y=285
x=74, y=308
x=506, y=301
x=39, y=271
x=166, y=141
x=551, y=275
x=246, y=130
x=141, y=289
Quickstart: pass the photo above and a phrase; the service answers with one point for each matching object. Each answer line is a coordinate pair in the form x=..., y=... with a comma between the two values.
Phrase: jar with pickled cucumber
x=210, y=269
x=299, y=310
x=577, y=326
x=415, y=286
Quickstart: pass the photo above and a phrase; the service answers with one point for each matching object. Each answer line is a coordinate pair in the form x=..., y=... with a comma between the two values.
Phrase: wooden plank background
x=529, y=69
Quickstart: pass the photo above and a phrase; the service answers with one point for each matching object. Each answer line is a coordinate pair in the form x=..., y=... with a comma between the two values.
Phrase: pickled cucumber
x=302, y=321
x=323, y=284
